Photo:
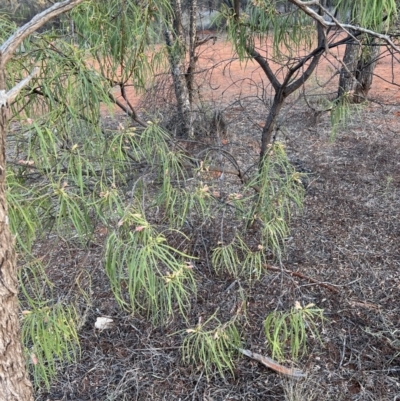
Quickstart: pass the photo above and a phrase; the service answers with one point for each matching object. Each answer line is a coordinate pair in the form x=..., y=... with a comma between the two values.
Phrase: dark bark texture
x=347, y=79
x=365, y=70
x=360, y=60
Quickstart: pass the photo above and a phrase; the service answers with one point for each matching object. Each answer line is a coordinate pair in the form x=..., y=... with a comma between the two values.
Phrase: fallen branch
x=302, y=276
x=270, y=363
x=362, y=304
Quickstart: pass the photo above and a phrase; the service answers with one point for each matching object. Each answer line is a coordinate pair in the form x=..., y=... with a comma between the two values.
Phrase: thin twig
x=134, y=115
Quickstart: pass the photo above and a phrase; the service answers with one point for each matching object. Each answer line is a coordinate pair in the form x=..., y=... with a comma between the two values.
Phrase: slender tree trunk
x=176, y=51
x=347, y=79
x=192, y=50
x=236, y=8
x=269, y=127
x=365, y=69
x=288, y=86
x=14, y=382
x=361, y=62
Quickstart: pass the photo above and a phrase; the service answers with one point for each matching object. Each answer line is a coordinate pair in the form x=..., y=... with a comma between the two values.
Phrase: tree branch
x=7, y=98
x=304, y=77
x=263, y=63
x=302, y=276
x=304, y=6
x=134, y=115
x=322, y=42
x=316, y=51
x=12, y=43
x=131, y=113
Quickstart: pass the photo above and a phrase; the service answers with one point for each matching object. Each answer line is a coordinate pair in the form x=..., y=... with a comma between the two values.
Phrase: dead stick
x=270, y=363
x=302, y=276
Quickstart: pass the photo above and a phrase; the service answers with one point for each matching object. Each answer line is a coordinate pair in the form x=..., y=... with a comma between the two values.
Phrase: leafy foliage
x=154, y=273
x=289, y=31
x=50, y=335
x=286, y=332
x=212, y=345
x=277, y=188
x=341, y=112
x=377, y=15
x=127, y=30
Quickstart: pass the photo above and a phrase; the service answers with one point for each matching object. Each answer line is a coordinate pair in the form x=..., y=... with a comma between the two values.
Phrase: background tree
x=362, y=52
x=262, y=20
x=183, y=45
x=175, y=41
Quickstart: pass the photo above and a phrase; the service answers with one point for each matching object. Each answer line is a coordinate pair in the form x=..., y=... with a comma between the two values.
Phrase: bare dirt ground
x=347, y=236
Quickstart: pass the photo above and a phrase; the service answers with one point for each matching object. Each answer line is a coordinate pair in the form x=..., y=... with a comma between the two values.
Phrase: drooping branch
x=15, y=40
x=305, y=7
x=14, y=381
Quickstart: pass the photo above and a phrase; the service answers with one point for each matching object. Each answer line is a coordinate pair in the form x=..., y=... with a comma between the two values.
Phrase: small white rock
x=103, y=323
